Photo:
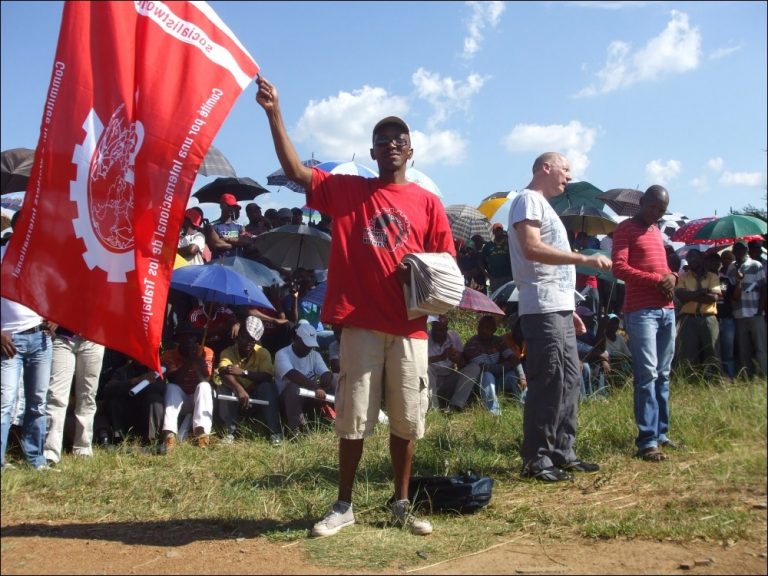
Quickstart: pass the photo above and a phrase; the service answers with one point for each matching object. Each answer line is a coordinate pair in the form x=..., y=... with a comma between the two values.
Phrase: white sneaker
x=49, y=466
x=401, y=510
x=228, y=439
x=334, y=521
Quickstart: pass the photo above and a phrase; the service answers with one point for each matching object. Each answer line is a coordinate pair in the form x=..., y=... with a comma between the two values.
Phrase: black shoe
x=580, y=466
x=670, y=445
x=553, y=474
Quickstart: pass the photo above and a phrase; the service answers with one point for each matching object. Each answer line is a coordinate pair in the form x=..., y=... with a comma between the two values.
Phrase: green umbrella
x=732, y=228
x=589, y=271
x=578, y=194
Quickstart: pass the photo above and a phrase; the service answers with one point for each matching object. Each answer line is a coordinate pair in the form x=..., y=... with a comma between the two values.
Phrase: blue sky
x=634, y=93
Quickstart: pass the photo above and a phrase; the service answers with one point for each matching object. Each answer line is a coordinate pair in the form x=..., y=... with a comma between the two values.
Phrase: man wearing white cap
x=376, y=223
x=300, y=366
x=246, y=372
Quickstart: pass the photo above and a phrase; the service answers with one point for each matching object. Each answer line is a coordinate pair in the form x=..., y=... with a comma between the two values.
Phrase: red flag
x=138, y=91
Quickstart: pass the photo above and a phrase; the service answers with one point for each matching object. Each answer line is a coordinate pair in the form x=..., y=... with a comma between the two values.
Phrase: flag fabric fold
x=137, y=93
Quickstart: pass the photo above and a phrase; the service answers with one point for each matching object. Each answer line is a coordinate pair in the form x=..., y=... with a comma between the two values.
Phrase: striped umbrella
x=278, y=177
x=352, y=168
x=623, y=201
x=671, y=222
x=216, y=164
x=467, y=221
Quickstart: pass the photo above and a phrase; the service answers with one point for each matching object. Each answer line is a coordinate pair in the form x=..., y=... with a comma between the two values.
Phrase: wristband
x=245, y=373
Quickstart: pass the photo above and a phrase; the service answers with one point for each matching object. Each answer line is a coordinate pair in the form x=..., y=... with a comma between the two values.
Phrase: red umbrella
x=475, y=300
x=687, y=231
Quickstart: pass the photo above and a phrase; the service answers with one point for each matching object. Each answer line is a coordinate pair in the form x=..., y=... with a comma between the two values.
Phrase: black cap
x=185, y=327
x=391, y=120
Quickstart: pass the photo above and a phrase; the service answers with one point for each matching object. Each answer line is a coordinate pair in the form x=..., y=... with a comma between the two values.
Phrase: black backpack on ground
x=463, y=493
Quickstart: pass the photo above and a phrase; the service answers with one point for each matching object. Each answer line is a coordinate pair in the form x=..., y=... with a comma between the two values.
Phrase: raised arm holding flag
x=138, y=92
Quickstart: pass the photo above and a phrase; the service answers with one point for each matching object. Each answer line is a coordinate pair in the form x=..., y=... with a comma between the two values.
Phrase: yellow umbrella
x=179, y=261
x=490, y=204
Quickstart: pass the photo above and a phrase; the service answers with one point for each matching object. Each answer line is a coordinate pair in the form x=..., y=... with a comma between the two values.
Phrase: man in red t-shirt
x=376, y=222
x=639, y=259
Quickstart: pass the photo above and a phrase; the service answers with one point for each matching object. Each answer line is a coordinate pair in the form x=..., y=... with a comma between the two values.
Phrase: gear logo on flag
x=103, y=192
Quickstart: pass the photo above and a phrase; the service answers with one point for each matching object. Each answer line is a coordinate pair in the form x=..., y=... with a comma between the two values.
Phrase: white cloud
x=659, y=172
x=445, y=147
x=608, y=5
x=700, y=184
x=446, y=95
x=675, y=50
x=339, y=127
x=715, y=164
x=483, y=14
x=724, y=52
x=748, y=179
x=573, y=140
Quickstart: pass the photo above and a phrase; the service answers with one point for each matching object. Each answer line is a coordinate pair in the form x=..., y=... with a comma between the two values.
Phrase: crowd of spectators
x=254, y=361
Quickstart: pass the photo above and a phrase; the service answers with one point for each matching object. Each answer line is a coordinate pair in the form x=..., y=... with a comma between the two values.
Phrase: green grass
x=252, y=489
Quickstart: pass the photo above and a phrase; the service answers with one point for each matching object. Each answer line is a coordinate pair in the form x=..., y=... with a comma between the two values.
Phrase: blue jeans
x=727, y=339
x=652, y=343
x=33, y=357
x=592, y=381
x=488, y=393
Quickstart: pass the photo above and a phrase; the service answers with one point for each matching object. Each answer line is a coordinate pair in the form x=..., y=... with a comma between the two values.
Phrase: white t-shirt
x=312, y=365
x=544, y=288
x=444, y=367
x=15, y=317
x=198, y=239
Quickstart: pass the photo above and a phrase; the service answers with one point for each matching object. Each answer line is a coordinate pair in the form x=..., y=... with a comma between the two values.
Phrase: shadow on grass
x=158, y=533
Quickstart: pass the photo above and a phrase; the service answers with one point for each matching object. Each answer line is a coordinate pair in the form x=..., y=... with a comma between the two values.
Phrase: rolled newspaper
x=234, y=399
x=143, y=384
x=330, y=398
x=307, y=393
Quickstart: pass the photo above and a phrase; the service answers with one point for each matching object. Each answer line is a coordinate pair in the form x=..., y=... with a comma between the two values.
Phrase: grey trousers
x=551, y=404
x=269, y=416
x=751, y=338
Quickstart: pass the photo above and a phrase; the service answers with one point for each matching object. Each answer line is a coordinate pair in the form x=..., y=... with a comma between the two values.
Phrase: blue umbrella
x=258, y=273
x=211, y=283
x=317, y=294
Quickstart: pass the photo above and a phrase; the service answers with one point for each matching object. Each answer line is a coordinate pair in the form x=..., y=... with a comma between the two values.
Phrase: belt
x=698, y=315
x=38, y=328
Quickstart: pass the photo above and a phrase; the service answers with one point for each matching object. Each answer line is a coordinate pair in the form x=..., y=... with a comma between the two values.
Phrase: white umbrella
x=418, y=177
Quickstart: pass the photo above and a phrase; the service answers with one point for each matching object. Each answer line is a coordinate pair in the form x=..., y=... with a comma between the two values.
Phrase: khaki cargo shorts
x=380, y=370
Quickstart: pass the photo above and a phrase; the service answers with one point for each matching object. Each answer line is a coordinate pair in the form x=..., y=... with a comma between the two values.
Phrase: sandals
x=651, y=454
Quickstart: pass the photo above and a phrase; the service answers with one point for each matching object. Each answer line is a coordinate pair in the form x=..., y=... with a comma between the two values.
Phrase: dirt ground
x=106, y=549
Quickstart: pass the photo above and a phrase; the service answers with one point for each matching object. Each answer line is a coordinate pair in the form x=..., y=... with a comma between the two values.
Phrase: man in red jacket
x=640, y=260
